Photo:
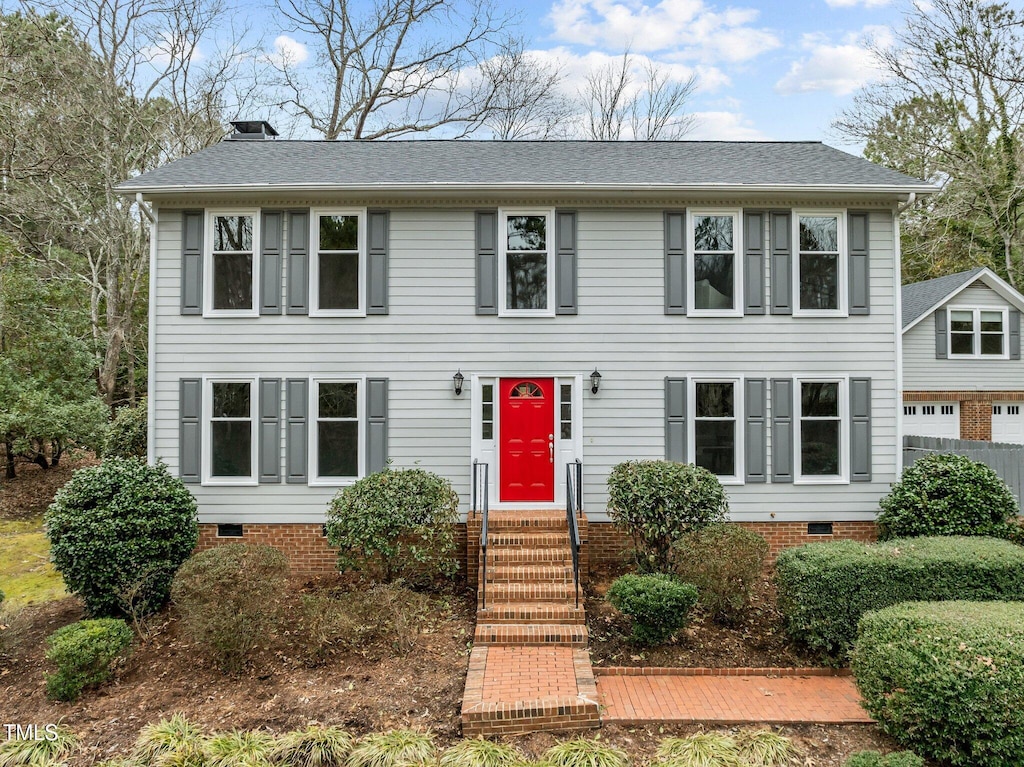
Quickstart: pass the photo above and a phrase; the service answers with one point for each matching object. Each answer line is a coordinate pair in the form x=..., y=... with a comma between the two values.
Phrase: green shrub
x=313, y=747
x=51, y=750
x=400, y=523
x=946, y=679
x=875, y=759
x=230, y=597
x=83, y=653
x=948, y=495
x=658, y=502
x=824, y=588
x=724, y=562
x=659, y=605
x=396, y=748
x=477, y=752
x=126, y=435
x=118, y=532
x=581, y=752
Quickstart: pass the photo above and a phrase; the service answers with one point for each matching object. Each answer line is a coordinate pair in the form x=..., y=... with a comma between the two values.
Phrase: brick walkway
x=753, y=698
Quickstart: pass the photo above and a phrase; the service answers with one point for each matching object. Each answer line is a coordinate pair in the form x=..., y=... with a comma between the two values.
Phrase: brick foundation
x=975, y=407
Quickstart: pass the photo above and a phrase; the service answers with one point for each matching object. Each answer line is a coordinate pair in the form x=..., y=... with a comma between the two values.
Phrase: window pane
x=713, y=281
x=337, y=449
x=527, y=281
x=527, y=233
x=819, y=233
x=232, y=281
x=488, y=412
x=819, y=447
x=992, y=322
x=961, y=322
x=339, y=232
x=712, y=233
x=962, y=343
x=714, y=400
x=487, y=431
x=231, y=400
x=715, y=448
x=488, y=392
x=337, y=400
x=231, y=448
x=232, y=233
x=991, y=343
x=819, y=399
x=339, y=281
x=819, y=281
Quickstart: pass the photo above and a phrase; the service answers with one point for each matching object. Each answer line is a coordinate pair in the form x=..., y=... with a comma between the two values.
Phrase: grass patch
x=25, y=568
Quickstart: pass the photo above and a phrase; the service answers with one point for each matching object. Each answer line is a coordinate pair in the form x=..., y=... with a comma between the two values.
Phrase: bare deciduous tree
x=527, y=103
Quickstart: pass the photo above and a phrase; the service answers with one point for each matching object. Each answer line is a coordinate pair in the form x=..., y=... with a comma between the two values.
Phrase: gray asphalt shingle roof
x=919, y=297
x=250, y=163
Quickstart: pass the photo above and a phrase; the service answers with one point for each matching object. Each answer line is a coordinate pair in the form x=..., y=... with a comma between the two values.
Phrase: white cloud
x=288, y=51
x=724, y=126
x=688, y=28
x=836, y=68
x=854, y=3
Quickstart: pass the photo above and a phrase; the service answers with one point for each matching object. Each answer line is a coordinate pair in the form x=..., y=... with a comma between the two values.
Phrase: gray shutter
x=297, y=431
x=486, y=262
x=859, y=264
x=190, y=411
x=377, y=262
x=565, y=262
x=675, y=262
x=675, y=419
x=1014, y=320
x=192, y=261
x=271, y=251
x=376, y=424
x=270, y=430
x=941, y=338
x=755, y=438
x=860, y=429
x=753, y=261
x=781, y=262
x=782, y=430
x=298, y=262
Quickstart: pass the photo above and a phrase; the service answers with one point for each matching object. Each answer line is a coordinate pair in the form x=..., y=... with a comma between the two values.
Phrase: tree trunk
x=10, y=473
x=40, y=460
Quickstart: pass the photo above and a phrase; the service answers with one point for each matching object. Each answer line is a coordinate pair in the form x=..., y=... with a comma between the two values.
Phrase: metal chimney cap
x=252, y=129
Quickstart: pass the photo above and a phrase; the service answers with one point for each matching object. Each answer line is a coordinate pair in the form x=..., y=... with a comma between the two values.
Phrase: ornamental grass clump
x=703, y=749
x=396, y=748
x=583, y=752
x=478, y=752
x=239, y=748
x=313, y=746
x=174, y=742
x=766, y=748
x=50, y=749
x=659, y=605
x=83, y=653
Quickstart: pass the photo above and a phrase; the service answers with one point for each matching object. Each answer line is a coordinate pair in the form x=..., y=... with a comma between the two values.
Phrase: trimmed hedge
x=824, y=588
x=83, y=652
x=947, y=679
x=659, y=605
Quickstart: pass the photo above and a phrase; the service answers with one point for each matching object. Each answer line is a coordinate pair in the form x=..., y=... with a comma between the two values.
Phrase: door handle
x=551, y=448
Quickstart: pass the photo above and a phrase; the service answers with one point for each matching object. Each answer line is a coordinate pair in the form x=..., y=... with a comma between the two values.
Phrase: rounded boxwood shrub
x=399, y=523
x=876, y=759
x=118, y=532
x=230, y=597
x=126, y=435
x=83, y=653
x=658, y=502
x=947, y=679
x=659, y=605
x=724, y=562
x=948, y=495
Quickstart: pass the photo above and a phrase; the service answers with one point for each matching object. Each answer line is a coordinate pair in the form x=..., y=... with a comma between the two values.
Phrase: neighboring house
x=729, y=304
x=962, y=373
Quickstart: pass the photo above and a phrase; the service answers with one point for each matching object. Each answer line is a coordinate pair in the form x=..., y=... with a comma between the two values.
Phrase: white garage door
x=1007, y=422
x=932, y=419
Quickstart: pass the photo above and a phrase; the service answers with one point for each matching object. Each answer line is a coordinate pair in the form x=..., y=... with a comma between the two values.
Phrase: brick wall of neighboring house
x=975, y=407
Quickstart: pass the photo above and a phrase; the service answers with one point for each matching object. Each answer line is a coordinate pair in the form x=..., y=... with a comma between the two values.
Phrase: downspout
x=900, y=208
x=151, y=361
x=148, y=212
x=898, y=294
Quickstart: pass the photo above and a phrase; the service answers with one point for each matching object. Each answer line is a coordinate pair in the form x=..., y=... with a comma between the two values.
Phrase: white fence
x=1005, y=460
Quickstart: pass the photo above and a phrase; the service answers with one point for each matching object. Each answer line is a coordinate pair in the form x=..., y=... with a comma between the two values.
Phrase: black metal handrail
x=573, y=507
x=480, y=493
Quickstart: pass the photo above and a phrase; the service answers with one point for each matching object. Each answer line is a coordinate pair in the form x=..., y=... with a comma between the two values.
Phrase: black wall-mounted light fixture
x=458, y=379
x=595, y=381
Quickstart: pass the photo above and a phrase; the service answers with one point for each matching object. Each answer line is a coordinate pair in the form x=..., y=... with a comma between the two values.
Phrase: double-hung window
x=822, y=430
x=716, y=431
x=231, y=263
x=713, y=240
x=819, y=275
x=229, y=435
x=338, y=268
x=337, y=407
x=975, y=332
x=526, y=278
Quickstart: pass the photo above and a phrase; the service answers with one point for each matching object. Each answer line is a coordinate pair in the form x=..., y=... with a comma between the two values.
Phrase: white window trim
x=843, y=266
x=739, y=416
x=549, y=239
x=208, y=310
x=737, y=270
x=977, y=310
x=314, y=262
x=207, y=436
x=314, y=432
x=843, y=478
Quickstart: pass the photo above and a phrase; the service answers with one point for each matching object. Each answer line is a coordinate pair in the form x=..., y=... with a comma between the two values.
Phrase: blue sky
x=766, y=69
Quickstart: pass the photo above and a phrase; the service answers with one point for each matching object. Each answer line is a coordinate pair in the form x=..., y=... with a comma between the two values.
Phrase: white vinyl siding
x=621, y=328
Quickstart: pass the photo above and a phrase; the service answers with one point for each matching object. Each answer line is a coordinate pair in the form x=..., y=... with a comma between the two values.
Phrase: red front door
x=527, y=453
